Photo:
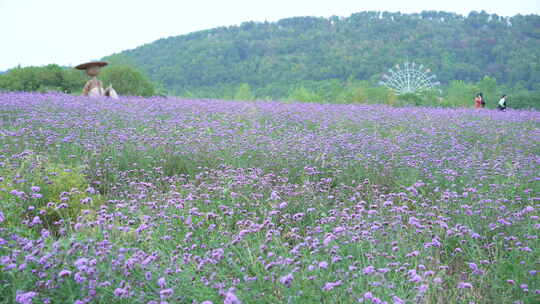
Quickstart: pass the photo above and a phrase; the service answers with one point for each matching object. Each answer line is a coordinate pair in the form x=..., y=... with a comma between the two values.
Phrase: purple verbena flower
x=25, y=297
x=231, y=298
x=64, y=273
x=287, y=280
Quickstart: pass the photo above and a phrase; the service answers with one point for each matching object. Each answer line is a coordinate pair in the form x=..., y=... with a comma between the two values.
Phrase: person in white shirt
x=502, y=103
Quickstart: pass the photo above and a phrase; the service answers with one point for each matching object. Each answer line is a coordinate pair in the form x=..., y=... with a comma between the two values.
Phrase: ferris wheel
x=409, y=78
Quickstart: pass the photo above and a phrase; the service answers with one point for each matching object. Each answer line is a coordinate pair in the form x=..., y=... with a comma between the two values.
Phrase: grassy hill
x=274, y=56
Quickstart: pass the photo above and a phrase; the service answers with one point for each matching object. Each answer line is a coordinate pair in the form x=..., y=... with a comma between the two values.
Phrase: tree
x=244, y=93
x=460, y=94
x=304, y=95
x=127, y=80
x=488, y=87
x=73, y=80
x=46, y=78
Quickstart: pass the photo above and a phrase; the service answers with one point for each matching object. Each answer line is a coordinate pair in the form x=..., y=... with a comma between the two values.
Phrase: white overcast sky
x=67, y=32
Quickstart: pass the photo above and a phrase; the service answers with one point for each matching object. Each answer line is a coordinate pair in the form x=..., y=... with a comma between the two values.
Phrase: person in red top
x=479, y=101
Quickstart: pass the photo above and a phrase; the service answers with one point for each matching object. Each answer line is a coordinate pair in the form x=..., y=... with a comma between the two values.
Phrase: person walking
x=479, y=101
x=502, y=103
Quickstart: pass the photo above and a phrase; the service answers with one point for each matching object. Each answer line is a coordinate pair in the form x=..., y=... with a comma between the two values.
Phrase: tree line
x=125, y=79
x=457, y=94
x=275, y=57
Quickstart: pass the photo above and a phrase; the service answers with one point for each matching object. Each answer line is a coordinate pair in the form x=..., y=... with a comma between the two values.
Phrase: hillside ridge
x=273, y=56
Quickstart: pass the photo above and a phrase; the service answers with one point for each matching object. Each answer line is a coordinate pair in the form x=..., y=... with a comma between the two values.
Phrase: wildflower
x=231, y=298
x=36, y=221
x=339, y=229
x=148, y=275
x=19, y=194
x=298, y=216
x=161, y=282
x=475, y=235
x=2, y=217
x=287, y=280
x=120, y=292
x=165, y=293
x=218, y=253
x=328, y=239
x=527, y=209
x=64, y=273
x=323, y=264
x=368, y=270
x=415, y=278
x=413, y=254
x=79, y=278
x=419, y=184
x=274, y=196
x=86, y=200
x=368, y=295
x=45, y=233
x=26, y=297
x=463, y=285
x=331, y=285
x=81, y=263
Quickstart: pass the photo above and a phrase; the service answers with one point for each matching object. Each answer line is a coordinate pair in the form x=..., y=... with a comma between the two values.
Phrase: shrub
x=460, y=94
x=51, y=194
x=127, y=80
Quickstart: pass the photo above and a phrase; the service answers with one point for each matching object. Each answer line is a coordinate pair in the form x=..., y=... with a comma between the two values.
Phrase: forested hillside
x=272, y=57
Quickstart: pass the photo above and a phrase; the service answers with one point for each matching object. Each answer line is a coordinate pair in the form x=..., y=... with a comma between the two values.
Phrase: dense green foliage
x=125, y=79
x=457, y=94
x=277, y=58
x=47, y=78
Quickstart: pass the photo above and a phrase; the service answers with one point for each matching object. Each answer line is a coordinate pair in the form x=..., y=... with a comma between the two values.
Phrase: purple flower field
x=206, y=201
